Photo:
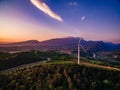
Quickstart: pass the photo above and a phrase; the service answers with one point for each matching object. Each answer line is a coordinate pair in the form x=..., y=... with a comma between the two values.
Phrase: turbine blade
x=83, y=48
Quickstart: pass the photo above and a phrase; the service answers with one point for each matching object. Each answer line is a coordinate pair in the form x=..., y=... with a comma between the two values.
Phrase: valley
x=48, y=67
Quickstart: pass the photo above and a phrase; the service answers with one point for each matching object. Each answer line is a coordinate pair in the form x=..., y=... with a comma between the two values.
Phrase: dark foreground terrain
x=60, y=76
x=8, y=60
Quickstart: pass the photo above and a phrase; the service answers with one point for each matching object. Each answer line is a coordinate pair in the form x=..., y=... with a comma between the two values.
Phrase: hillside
x=69, y=43
x=12, y=60
x=60, y=77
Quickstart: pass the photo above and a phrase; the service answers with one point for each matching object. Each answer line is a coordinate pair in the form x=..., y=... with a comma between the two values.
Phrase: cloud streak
x=73, y=3
x=46, y=9
x=82, y=18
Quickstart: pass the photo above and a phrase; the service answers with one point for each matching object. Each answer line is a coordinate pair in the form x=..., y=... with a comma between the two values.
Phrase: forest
x=68, y=76
x=8, y=60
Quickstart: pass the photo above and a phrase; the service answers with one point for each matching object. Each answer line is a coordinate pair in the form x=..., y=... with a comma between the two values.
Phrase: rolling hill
x=69, y=43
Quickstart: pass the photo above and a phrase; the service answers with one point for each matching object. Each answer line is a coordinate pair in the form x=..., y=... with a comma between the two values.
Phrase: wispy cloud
x=82, y=18
x=46, y=9
x=73, y=3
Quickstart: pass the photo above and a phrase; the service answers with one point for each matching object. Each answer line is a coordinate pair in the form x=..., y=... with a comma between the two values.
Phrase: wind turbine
x=94, y=55
x=79, y=45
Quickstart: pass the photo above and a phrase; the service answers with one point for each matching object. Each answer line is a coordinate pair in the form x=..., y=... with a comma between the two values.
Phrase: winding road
x=100, y=66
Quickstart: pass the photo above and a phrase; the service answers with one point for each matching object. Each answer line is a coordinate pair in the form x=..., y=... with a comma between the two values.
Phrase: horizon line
x=16, y=41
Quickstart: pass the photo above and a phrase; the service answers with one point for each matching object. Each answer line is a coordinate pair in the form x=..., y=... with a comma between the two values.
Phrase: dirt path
x=100, y=66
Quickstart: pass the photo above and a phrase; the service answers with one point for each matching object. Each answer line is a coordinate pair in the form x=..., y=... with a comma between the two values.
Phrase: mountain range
x=69, y=43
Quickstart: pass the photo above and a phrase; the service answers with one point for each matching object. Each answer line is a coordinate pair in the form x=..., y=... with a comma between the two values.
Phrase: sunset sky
x=22, y=20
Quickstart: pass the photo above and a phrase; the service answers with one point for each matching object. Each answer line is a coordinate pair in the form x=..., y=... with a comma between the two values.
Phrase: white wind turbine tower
x=79, y=51
x=80, y=46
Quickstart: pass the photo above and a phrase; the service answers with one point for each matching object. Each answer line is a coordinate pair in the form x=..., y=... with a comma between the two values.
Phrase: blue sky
x=23, y=19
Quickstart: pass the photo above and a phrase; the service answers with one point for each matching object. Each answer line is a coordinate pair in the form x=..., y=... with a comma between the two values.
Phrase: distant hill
x=69, y=43
x=23, y=43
